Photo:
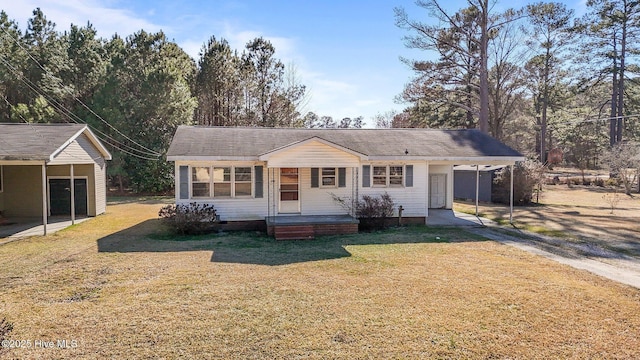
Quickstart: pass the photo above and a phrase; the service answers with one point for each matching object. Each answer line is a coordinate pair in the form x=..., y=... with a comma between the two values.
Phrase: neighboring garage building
x=44, y=166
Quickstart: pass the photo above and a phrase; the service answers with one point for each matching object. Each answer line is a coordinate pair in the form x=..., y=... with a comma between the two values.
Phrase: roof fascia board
x=210, y=158
x=487, y=160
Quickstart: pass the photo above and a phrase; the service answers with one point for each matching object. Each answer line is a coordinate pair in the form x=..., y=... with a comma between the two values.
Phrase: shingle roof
x=251, y=142
x=34, y=141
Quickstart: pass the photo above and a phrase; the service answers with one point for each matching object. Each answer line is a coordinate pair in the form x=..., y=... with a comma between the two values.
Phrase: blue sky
x=346, y=52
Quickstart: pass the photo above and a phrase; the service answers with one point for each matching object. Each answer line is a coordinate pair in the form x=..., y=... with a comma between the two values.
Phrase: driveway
x=581, y=255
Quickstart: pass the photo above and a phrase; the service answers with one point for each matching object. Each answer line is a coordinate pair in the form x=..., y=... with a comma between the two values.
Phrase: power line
x=57, y=106
x=151, y=152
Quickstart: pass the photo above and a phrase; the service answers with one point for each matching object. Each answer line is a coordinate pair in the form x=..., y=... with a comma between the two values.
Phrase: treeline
x=134, y=91
x=546, y=78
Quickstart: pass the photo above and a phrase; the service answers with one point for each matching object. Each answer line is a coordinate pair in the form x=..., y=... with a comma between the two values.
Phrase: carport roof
x=25, y=142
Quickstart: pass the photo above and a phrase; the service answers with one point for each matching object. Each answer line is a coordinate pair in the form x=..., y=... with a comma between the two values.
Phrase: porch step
x=293, y=232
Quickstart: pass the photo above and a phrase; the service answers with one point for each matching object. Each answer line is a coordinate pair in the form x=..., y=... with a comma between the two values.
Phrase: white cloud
x=332, y=92
x=107, y=21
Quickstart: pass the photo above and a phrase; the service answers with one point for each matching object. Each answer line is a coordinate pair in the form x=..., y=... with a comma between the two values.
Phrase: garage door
x=60, y=196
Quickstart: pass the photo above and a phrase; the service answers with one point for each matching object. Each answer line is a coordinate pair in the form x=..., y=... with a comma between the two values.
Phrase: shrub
x=189, y=219
x=372, y=211
x=529, y=175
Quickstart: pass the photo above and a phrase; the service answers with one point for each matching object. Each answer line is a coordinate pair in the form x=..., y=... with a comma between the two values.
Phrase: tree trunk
x=613, y=123
x=620, y=112
x=483, y=121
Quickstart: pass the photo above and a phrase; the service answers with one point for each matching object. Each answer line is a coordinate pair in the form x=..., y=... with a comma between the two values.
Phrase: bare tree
x=623, y=159
x=462, y=44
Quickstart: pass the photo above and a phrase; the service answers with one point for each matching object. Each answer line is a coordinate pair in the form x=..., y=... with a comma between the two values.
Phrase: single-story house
x=44, y=166
x=468, y=177
x=289, y=178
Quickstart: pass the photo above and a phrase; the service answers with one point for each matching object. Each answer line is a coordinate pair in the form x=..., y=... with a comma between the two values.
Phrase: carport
x=44, y=166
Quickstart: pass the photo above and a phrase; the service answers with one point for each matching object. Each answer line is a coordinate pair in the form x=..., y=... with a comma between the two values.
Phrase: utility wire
x=152, y=152
x=56, y=105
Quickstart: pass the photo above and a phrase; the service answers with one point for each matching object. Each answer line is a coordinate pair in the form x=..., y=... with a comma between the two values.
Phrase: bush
x=192, y=219
x=374, y=210
x=529, y=175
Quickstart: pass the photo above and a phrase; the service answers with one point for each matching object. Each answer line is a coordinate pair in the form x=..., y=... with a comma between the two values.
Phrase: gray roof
x=233, y=142
x=20, y=141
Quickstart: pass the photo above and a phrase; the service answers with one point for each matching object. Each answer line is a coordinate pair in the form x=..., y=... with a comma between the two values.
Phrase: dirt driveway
x=575, y=225
x=579, y=214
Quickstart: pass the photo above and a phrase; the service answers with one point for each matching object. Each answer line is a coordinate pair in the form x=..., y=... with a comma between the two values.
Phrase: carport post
x=73, y=197
x=511, y=198
x=477, y=186
x=45, y=211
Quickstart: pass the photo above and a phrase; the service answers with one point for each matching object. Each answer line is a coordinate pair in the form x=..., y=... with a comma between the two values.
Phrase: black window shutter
x=408, y=181
x=315, y=177
x=342, y=177
x=257, y=170
x=184, y=182
x=366, y=175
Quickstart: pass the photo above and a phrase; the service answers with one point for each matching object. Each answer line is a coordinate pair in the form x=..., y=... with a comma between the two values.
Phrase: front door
x=60, y=196
x=438, y=191
x=289, y=191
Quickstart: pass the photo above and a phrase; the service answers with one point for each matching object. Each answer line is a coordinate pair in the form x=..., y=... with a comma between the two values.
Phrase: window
x=329, y=177
x=221, y=181
x=200, y=182
x=242, y=181
x=395, y=176
x=379, y=176
x=388, y=176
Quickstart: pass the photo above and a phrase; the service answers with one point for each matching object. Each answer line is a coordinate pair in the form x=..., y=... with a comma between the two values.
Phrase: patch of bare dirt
x=583, y=214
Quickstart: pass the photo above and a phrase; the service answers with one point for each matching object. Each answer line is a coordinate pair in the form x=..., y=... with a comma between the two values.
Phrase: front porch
x=297, y=227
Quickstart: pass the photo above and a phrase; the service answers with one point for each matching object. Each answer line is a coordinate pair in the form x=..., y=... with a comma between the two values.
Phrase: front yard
x=120, y=288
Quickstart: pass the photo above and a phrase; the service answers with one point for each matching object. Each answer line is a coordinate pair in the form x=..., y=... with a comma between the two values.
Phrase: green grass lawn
x=122, y=288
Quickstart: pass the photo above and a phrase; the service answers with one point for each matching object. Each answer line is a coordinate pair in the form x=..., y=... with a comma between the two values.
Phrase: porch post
x=511, y=198
x=73, y=197
x=45, y=211
x=477, y=186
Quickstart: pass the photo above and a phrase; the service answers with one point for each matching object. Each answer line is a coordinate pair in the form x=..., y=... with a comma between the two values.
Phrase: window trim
x=192, y=182
x=235, y=181
x=232, y=182
x=374, y=176
x=387, y=175
x=334, y=176
x=1, y=178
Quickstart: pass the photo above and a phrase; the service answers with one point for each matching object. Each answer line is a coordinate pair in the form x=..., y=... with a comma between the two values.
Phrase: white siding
x=410, y=198
x=318, y=201
x=229, y=209
x=313, y=154
x=79, y=151
x=100, y=178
